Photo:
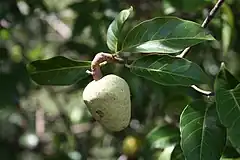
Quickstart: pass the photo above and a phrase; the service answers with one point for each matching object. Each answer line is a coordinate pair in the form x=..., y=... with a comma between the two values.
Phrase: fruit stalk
x=100, y=58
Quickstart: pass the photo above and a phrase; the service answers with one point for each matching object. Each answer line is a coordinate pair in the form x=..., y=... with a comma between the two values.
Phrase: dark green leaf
x=228, y=104
x=164, y=35
x=163, y=136
x=169, y=70
x=202, y=136
x=230, y=152
x=58, y=71
x=115, y=28
x=177, y=153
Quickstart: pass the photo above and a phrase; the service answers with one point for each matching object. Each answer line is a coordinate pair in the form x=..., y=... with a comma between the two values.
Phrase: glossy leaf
x=202, y=136
x=168, y=70
x=164, y=35
x=163, y=136
x=177, y=153
x=58, y=71
x=228, y=104
x=115, y=29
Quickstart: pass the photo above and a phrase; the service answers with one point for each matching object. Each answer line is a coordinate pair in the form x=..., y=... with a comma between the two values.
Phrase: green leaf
x=188, y=5
x=163, y=136
x=168, y=70
x=177, y=153
x=115, y=28
x=228, y=104
x=164, y=35
x=58, y=71
x=227, y=28
x=202, y=136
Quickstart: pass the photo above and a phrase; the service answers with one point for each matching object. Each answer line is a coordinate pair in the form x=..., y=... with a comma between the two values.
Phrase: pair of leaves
x=161, y=35
x=227, y=90
x=162, y=69
x=202, y=135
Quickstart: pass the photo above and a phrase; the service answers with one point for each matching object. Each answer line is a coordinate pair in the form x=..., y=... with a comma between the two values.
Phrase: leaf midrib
x=60, y=69
x=203, y=132
x=155, y=70
x=162, y=40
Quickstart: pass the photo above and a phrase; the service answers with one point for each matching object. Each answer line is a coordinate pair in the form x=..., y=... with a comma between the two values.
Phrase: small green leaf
x=202, y=136
x=164, y=35
x=163, y=136
x=228, y=104
x=168, y=70
x=115, y=29
x=58, y=71
x=177, y=153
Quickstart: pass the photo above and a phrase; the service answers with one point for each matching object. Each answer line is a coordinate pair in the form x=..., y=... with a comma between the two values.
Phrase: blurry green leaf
x=188, y=5
x=164, y=35
x=58, y=71
x=177, y=153
x=4, y=34
x=163, y=136
x=228, y=104
x=168, y=70
x=202, y=136
x=80, y=23
x=115, y=28
x=227, y=28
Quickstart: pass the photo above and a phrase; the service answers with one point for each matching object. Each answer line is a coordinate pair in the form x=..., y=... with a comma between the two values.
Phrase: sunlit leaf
x=115, y=28
x=228, y=104
x=164, y=35
x=227, y=28
x=177, y=153
x=202, y=136
x=168, y=70
x=58, y=71
x=163, y=136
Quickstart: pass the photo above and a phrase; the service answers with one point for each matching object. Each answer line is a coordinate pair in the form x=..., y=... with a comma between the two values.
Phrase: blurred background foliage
x=38, y=122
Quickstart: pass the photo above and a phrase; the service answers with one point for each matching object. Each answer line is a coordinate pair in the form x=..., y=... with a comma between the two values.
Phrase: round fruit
x=130, y=146
x=108, y=100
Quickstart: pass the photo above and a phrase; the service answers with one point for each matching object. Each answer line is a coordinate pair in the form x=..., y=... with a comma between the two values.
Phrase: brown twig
x=210, y=16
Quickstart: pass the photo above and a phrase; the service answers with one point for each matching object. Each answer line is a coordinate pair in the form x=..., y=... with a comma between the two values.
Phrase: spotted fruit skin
x=108, y=100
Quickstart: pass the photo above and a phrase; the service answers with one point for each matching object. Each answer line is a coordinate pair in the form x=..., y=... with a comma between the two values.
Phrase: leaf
x=164, y=35
x=188, y=5
x=228, y=104
x=227, y=28
x=163, y=136
x=177, y=153
x=202, y=136
x=58, y=71
x=115, y=28
x=168, y=70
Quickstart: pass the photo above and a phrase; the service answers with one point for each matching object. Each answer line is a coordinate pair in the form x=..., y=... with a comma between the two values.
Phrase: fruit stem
x=100, y=58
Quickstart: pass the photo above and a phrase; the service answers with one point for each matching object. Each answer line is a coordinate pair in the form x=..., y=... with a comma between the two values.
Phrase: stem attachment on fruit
x=100, y=58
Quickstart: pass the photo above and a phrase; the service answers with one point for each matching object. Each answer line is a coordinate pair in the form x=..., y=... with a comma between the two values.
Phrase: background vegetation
x=39, y=122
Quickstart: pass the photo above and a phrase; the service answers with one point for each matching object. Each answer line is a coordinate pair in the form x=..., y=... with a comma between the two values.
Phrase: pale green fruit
x=108, y=100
